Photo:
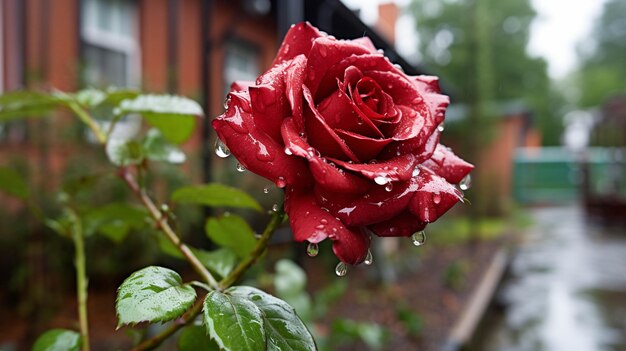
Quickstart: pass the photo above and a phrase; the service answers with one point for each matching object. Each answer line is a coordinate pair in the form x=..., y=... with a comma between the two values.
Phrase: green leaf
x=194, y=338
x=156, y=148
x=215, y=195
x=90, y=97
x=221, y=261
x=115, y=220
x=174, y=116
x=233, y=232
x=23, y=104
x=124, y=152
x=284, y=330
x=58, y=340
x=153, y=294
x=234, y=322
x=13, y=183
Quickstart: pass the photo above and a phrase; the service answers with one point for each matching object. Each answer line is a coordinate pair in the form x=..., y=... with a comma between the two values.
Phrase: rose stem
x=242, y=267
x=192, y=313
x=163, y=225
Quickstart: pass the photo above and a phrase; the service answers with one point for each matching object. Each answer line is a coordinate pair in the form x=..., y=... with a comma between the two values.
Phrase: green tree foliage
x=451, y=33
x=603, y=70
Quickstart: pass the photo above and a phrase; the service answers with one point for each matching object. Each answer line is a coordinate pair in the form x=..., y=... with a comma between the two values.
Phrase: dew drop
x=369, y=259
x=419, y=238
x=312, y=250
x=416, y=172
x=381, y=180
x=440, y=128
x=341, y=269
x=275, y=207
x=288, y=151
x=319, y=226
x=466, y=182
x=417, y=100
x=324, y=221
x=227, y=101
x=266, y=189
x=240, y=167
x=281, y=183
x=221, y=150
x=389, y=187
x=436, y=198
x=323, y=51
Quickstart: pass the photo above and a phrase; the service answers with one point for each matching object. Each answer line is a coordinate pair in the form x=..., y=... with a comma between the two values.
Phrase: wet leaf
x=174, y=116
x=58, y=340
x=153, y=294
x=215, y=195
x=124, y=152
x=234, y=322
x=24, y=104
x=114, y=220
x=157, y=148
x=284, y=330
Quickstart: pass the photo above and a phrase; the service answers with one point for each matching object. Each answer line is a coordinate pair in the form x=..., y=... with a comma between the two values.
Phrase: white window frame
x=230, y=74
x=127, y=45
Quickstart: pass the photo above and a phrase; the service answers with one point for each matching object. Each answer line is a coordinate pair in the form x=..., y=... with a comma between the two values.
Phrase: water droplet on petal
x=324, y=221
x=266, y=189
x=288, y=151
x=369, y=259
x=312, y=249
x=416, y=172
x=419, y=238
x=381, y=180
x=440, y=128
x=389, y=187
x=227, y=101
x=341, y=269
x=281, y=183
x=221, y=150
x=240, y=167
x=466, y=182
x=436, y=198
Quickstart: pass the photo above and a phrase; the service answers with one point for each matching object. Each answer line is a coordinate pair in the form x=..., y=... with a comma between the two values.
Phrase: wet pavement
x=566, y=289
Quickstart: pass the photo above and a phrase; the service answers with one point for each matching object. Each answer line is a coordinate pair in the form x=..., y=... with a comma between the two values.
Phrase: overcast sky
x=559, y=27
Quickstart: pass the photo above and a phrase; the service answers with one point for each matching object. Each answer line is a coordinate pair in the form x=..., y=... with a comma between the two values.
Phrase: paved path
x=566, y=290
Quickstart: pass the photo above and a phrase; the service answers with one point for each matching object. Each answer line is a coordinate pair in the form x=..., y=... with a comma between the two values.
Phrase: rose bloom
x=352, y=139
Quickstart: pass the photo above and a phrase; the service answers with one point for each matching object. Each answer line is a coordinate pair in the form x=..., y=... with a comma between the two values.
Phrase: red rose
x=352, y=139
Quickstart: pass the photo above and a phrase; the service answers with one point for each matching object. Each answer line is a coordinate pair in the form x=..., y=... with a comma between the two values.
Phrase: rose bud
x=352, y=139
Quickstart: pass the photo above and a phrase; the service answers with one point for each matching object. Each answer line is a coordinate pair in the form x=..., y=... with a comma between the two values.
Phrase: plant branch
x=81, y=278
x=90, y=122
x=261, y=245
x=187, y=318
x=163, y=225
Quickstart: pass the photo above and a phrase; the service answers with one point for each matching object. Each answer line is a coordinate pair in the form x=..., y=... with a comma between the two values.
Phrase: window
x=111, y=53
x=110, y=46
x=241, y=62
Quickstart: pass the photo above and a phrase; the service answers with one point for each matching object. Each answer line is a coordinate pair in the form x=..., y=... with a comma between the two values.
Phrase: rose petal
x=367, y=43
x=338, y=112
x=321, y=136
x=365, y=148
x=416, y=146
x=398, y=86
x=294, y=79
x=254, y=149
x=433, y=197
x=412, y=124
x=396, y=169
x=428, y=86
x=365, y=63
x=269, y=105
x=376, y=206
x=310, y=222
x=325, y=53
x=325, y=175
x=241, y=85
x=298, y=40
x=448, y=165
x=404, y=224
